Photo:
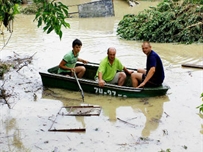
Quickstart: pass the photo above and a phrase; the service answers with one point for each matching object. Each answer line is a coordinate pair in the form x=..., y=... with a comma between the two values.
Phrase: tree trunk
x=24, y=1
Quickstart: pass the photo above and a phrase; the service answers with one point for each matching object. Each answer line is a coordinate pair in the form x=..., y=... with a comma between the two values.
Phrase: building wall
x=102, y=8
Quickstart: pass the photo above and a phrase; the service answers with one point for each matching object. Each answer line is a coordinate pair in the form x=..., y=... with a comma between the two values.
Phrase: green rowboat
x=50, y=78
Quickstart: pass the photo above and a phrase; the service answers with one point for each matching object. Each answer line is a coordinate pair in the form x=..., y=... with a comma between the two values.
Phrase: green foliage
x=167, y=150
x=8, y=10
x=17, y=1
x=52, y=16
x=194, y=1
x=3, y=68
x=168, y=22
x=201, y=106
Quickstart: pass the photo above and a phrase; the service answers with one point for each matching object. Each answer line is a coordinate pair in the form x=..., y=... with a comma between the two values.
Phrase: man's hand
x=84, y=61
x=101, y=83
x=141, y=85
x=72, y=69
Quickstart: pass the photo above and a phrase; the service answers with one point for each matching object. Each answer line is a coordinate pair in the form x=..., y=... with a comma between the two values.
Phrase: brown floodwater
x=153, y=124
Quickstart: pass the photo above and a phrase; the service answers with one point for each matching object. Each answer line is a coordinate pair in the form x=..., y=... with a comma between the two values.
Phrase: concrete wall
x=102, y=8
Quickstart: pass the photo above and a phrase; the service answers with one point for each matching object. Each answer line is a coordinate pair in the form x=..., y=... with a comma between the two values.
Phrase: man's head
x=146, y=47
x=111, y=52
x=77, y=44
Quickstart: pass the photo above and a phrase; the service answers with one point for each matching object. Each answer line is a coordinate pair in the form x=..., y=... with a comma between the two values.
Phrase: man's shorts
x=66, y=73
x=113, y=81
x=149, y=83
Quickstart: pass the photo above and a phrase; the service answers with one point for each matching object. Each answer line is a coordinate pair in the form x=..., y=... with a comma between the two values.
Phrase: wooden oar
x=98, y=64
x=79, y=86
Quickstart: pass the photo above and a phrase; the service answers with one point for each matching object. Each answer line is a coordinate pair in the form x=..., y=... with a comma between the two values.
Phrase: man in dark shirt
x=153, y=76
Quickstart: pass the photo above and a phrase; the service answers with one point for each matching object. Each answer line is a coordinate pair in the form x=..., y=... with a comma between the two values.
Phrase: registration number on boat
x=107, y=92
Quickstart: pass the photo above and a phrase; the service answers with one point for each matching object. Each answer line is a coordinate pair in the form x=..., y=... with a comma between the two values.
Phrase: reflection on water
x=153, y=114
x=113, y=108
x=10, y=133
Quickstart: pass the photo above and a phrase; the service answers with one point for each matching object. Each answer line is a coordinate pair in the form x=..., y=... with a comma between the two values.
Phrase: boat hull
x=51, y=79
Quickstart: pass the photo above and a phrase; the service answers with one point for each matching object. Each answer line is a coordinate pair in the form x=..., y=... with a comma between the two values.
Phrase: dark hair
x=76, y=42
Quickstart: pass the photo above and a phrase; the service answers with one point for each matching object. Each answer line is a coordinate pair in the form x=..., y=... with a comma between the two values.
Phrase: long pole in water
x=79, y=86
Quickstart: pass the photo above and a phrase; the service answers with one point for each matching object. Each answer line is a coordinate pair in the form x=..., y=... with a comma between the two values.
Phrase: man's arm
x=62, y=65
x=148, y=77
x=81, y=60
x=127, y=71
x=100, y=76
x=100, y=80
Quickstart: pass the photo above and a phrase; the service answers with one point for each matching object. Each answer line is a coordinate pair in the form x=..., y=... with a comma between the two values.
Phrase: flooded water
x=124, y=125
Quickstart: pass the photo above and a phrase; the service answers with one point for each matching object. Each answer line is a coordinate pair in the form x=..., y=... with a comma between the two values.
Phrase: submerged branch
x=25, y=60
x=126, y=122
x=199, y=23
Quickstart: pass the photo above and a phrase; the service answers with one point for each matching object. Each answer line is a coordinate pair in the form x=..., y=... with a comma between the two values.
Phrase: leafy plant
x=194, y=1
x=200, y=107
x=17, y=1
x=8, y=10
x=52, y=16
x=167, y=150
x=168, y=22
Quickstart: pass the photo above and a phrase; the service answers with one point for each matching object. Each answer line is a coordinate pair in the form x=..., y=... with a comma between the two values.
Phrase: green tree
x=168, y=22
x=8, y=10
x=53, y=15
x=50, y=15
